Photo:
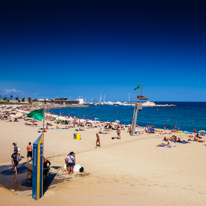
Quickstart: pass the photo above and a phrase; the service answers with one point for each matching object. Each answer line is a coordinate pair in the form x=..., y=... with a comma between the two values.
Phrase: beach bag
x=65, y=166
x=19, y=149
x=81, y=169
x=19, y=158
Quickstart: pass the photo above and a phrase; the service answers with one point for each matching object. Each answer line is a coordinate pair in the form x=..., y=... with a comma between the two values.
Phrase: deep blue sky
x=69, y=48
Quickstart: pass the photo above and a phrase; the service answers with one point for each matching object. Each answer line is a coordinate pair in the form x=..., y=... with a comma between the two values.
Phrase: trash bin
x=75, y=135
x=78, y=136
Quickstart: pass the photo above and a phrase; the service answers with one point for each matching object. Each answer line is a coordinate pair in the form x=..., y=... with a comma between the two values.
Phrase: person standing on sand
x=118, y=133
x=15, y=147
x=98, y=139
x=29, y=151
x=195, y=130
x=70, y=162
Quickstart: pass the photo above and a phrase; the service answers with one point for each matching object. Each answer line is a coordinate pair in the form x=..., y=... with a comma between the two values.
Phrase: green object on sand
x=37, y=114
x=137, y=87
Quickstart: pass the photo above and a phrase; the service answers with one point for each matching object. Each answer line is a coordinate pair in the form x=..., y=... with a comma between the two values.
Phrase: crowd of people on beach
x=13, y=113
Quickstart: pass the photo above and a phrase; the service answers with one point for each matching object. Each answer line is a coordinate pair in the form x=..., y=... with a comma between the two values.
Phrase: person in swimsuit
x=98, y=139
x=118, y=133
x=29, y=151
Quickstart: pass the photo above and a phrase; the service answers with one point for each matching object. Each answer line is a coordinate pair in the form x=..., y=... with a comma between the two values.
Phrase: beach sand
x=131, y=171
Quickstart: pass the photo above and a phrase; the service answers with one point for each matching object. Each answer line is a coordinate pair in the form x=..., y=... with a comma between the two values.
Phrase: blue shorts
x=70, y=164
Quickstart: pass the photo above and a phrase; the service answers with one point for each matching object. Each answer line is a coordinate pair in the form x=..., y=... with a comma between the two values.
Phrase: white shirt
x=70, y=159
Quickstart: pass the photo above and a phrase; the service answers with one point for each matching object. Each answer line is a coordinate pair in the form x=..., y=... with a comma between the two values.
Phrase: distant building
x=80, y=100
x=65, y=101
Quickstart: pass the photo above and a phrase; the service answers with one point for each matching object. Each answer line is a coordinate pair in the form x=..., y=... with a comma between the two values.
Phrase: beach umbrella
x=117, y=121
x=19, y=114
x=62, y=118
x=152, y=130
x=201, y=131
x=13, y=116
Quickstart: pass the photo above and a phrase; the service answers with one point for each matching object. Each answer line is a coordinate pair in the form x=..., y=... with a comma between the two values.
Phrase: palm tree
x=17, y=98
x=11, y=97
x=0, y=96
x=29, y=100
x=51, y=101
x=44, y=101
x=4, y=98
x=23, y=99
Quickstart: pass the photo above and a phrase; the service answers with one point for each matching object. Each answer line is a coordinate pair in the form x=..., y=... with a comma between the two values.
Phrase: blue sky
x=90, y=48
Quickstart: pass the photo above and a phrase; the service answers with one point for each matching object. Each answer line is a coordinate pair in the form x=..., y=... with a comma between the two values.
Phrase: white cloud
x=10, y=91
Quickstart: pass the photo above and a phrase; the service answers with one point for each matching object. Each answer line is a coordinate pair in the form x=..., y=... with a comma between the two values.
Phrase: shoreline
x=139, y=125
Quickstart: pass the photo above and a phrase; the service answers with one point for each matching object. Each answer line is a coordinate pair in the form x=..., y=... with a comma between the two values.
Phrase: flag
x=137, y=87
x=37, y=114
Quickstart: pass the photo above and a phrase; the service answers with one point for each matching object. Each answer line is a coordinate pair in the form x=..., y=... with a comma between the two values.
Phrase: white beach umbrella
x=19, y=114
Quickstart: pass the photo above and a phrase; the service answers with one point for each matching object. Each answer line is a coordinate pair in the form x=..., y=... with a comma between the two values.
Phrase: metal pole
x=134, y=116
x=138, y=106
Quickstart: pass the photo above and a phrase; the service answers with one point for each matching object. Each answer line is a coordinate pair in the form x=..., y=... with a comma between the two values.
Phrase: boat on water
x=117, y=103
x=108, y=103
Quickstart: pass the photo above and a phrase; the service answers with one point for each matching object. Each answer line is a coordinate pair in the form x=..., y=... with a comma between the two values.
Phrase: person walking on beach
x=98, y=139
x=15, y=147
x=14, y=160
x=29, y=151
x=195, y=130
x=118, y=133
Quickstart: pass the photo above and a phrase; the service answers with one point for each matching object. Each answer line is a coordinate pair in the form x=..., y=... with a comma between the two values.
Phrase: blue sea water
x=187, y=115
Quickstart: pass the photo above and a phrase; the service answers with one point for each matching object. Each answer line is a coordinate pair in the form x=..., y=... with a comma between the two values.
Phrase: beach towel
x=168, y=147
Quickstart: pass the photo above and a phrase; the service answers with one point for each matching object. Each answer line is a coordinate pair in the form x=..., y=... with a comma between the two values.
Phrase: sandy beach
x=130, y=171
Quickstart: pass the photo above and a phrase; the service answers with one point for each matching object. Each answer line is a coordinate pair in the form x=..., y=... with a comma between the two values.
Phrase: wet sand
x=131, y=171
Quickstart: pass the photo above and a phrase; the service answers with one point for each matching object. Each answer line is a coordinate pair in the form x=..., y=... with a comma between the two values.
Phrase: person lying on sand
x=161, y=145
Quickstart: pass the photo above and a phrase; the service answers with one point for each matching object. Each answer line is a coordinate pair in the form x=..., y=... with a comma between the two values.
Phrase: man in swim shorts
x=29, y=151
x=14, y=161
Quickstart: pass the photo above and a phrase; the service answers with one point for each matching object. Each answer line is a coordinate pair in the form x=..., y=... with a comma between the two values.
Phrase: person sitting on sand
x=165, y=139
x=191, y=136
x=100, y=130
x=57, y=127
x=160, y=145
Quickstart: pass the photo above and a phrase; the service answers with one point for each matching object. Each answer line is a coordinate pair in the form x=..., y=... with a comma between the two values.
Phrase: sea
x=186, y=115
